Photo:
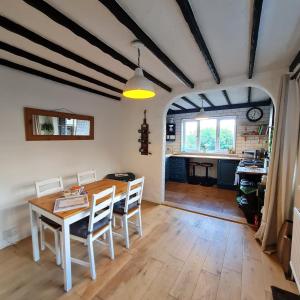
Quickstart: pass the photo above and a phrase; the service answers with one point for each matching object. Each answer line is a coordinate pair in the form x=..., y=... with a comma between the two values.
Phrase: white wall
x=22, y=163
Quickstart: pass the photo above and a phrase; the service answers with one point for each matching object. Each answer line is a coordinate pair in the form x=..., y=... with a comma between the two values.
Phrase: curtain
x=279, y=195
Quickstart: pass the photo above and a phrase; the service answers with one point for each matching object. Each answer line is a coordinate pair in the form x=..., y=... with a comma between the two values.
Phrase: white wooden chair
x=131, y=206
x=86, y=177
x=43, y=188
x=96, y=225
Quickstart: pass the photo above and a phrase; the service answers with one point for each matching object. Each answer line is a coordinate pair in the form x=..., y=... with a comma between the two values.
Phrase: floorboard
x=181, y=255
x=211, y=201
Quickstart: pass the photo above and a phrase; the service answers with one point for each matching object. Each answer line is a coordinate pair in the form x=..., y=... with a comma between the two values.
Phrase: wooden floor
x=212, y=201
x=182, y=255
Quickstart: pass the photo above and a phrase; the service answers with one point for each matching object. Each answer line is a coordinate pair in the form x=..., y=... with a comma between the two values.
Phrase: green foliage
x=226, y=139
x=208, y=139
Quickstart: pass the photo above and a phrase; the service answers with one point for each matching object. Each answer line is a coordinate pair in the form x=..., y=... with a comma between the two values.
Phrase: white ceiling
x=225, y=25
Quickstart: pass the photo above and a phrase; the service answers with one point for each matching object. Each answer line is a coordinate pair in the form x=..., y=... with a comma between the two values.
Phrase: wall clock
x=254, y=114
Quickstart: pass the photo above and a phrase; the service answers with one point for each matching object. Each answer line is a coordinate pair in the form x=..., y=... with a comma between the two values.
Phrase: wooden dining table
x=44, y=206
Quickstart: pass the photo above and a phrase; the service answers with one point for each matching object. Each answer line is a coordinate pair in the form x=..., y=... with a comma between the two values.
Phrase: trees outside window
x=209, y=135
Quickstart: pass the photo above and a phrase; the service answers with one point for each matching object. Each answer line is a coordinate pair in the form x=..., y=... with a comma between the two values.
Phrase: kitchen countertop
x=253, y=171
x=207, y=156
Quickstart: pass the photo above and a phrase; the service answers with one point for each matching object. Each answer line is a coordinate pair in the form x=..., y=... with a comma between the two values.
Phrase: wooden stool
x=192, y=172
x=206, y=181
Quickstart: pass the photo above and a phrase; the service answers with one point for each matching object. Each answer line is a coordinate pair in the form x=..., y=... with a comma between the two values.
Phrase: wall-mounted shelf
x=259, y=131
x=259, y=136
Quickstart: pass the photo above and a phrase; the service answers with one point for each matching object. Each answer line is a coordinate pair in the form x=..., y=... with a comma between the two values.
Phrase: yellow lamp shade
x=138, y=87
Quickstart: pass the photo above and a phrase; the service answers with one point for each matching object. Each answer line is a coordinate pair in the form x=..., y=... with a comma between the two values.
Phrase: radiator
x=295, y=255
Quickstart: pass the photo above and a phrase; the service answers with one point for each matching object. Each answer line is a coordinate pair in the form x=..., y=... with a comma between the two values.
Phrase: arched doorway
x=239, y=121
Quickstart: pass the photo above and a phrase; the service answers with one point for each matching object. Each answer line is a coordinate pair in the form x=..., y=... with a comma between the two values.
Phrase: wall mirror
x=41, y=125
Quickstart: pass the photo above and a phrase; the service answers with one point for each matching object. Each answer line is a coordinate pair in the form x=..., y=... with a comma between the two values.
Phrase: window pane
x=208, y=134
x=190, y=135
x=227, y=131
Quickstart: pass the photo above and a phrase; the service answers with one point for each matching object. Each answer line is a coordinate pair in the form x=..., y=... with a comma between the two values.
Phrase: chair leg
x=111, y=243
x=92, y=259
x=114, y=221
x=121, y=223
x=126, y=232
x=139, y=221
x=57, y=248
x=42, y=235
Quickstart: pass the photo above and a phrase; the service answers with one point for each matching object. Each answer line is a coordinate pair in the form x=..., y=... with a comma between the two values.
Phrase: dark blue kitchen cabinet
x=177, y=169
x=167, y=169
x=226, y=173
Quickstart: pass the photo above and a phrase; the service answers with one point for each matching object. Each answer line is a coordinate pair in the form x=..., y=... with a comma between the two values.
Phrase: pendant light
x=138, y=87
x=202, y=115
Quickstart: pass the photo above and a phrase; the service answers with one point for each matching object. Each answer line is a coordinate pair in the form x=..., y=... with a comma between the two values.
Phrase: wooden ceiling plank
x=66, y=22
x=47, y=63
x=44, y=75
x=249, y=94
x=190, y=102
x=295, y=62
x=194, y=28
x=37, y=39
x=257, y=8
x=224, y=107
x=130, y=24
x=224, y=92
x=204, y=97
x=179, y=106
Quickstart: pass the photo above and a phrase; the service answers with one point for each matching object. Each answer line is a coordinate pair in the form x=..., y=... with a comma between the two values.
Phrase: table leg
x=34, y=234
x=67, y=256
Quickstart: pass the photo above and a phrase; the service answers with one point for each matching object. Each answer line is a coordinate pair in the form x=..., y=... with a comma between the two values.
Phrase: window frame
x=198, y=140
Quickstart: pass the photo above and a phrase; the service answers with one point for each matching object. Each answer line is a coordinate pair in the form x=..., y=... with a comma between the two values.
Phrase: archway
x=263, y=104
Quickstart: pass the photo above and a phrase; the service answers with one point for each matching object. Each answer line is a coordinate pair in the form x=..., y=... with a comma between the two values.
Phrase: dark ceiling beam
x=128, y=22
x=295, y=75
x=224, y=107
x=190, y=102
x=194, y=28
x=47, y=63
x=257, y=8
x=35, y=38
x=225, y=94
x=204, y=97
x=249, y=94
x=295, y=62
x=31, y=71
x=66, y=22
x=179, y=106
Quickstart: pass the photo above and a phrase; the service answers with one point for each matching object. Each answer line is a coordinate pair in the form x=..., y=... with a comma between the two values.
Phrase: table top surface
x=254, y=171
x=207, y=156
x=47, y=202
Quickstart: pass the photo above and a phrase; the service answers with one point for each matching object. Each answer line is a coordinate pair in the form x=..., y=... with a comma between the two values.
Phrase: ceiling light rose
x=202, y=115
x=138, y=87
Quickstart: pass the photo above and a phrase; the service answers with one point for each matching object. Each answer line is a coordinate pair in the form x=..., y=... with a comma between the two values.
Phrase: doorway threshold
x=207, y=213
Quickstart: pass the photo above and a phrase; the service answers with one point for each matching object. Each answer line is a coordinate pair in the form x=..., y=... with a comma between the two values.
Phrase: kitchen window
x=212, y=135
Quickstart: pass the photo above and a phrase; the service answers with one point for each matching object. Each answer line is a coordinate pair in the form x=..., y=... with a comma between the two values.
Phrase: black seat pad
x=81, y=227
x=206, y=164
x=50, y=222
x=120, y=206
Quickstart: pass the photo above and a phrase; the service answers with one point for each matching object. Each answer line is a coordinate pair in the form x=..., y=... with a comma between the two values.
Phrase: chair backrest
x=49, y=186
x=102, y=209
x=86, y=177
x=134, y=192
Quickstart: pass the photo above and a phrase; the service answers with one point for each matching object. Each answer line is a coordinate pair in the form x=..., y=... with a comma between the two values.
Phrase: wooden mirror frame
x=30, y=112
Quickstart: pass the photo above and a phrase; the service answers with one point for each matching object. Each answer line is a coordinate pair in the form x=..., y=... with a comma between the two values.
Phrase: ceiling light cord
x=139, y=57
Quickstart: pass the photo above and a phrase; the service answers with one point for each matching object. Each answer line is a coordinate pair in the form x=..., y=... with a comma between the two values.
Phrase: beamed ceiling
x=86, y=44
